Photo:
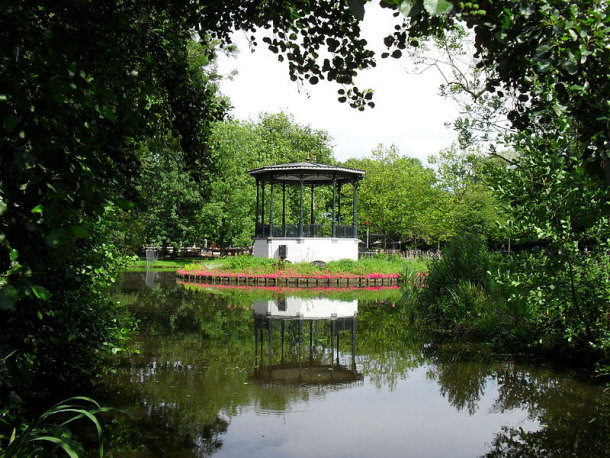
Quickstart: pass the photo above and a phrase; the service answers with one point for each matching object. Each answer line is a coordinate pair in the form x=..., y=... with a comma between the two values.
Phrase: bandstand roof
x=311, y=172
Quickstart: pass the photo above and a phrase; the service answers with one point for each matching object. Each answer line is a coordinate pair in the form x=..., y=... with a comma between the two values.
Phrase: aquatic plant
x=50, y=432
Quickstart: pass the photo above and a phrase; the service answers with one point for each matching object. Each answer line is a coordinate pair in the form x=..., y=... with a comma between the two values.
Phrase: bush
x=563, y=297
x=457, y=284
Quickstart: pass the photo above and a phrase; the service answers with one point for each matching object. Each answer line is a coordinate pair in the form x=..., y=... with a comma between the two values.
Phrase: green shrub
x=457, y=284
x=563, y=298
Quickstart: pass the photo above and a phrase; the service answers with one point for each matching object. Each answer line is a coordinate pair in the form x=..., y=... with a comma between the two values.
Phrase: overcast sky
x=409, y=113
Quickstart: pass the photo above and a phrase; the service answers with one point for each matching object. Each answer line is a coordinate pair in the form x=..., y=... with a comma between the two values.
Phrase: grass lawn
x=165, y=264
x=253, y=265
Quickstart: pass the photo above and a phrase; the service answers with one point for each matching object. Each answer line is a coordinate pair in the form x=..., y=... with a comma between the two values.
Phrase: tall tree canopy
x=227, y=217
x=398, y=197
x=553, y=55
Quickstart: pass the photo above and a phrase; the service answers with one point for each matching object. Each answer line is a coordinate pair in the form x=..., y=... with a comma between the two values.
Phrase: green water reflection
x=234, y=372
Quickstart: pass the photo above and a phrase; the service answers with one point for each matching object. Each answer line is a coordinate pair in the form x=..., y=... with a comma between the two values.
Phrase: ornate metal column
x=284, y=209
x=339, y=204
x=263, y=207
x=312, y=219
x=334, y=221
x=355, y=207
x=271, y=210
x=301, y=208
x=256, y=215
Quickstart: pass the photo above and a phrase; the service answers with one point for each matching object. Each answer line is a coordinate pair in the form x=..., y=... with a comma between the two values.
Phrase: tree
x=483, y=115
x=169, y=196
x=551, y=55
x=81, y=86
x=398, y=197
x=564, y=285
x=236, y=147
x=472, y=206
x=550, y=60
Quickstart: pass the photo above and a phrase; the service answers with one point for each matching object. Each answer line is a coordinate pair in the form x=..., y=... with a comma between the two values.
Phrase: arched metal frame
x=302, y=174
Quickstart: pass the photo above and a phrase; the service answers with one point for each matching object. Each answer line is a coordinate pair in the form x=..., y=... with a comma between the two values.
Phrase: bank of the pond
x=159, y=265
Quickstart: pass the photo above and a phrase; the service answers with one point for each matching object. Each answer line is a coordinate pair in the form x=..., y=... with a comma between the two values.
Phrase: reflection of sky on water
x=412, y=420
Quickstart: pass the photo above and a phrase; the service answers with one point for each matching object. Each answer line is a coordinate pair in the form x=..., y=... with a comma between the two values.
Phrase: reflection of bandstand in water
x=294, y=326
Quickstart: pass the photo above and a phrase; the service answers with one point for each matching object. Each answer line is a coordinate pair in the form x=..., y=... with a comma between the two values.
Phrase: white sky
x=409, y=113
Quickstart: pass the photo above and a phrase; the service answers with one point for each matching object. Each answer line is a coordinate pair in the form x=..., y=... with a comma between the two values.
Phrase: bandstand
x=301, y=240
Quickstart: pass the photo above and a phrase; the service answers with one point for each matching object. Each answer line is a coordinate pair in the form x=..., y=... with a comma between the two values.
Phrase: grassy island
x=249, y=265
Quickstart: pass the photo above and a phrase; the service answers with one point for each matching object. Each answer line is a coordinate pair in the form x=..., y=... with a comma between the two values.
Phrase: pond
x=234, y=372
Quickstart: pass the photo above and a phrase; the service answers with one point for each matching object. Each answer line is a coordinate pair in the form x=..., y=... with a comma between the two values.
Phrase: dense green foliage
x=398, y=196
x=418, y=205
x=227, y=216
x=547, y=301
x=101, y=102
x=457, y=283
x=82, y=84
x=85, y=87
x=564, y=283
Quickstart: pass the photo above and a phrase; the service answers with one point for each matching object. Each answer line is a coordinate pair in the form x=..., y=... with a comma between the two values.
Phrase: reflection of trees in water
x=461, y=372
x=193, y=376
x=387, y=347
x=565, y=434
x=166, y=434
x=574, y=414
x=183, y=392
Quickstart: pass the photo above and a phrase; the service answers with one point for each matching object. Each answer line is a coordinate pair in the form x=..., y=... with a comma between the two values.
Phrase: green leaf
x=406, y=6
x=56, y=237
x=570, y=66
x=543, y=66
x=41, y=292
x=8, y=297
x=437, y=7
x=37, y=209
x=106, y=112
x=10, y=122
x=63, y=444
x=80, y=232
x=124, y=204
x=357, y=8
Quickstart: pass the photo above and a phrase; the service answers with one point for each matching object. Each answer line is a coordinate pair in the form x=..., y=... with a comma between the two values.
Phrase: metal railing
x=309, y=230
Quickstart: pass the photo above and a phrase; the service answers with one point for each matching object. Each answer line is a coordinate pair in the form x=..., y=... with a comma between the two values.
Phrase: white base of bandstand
x=307, y=249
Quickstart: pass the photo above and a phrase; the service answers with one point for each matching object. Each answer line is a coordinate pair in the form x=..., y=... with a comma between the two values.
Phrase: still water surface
x=234, y=372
